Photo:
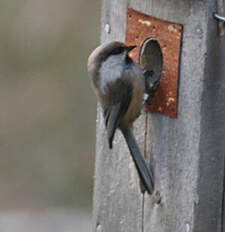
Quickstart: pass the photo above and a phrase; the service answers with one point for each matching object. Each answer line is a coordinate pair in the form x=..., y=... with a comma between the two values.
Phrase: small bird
x=119, y=84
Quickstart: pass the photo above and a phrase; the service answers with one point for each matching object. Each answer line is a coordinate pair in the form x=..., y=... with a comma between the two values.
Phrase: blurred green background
x=48, y=110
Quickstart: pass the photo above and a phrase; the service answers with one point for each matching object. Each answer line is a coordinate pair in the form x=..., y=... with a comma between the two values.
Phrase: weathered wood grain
x=210, y=187
x=175, y=143
x=187, y=153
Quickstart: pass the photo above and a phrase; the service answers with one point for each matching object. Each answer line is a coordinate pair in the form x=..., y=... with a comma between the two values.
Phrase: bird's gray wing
x=117, y=108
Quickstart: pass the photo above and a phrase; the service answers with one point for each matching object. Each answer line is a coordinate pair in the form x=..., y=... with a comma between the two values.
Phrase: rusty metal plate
x=169, y=35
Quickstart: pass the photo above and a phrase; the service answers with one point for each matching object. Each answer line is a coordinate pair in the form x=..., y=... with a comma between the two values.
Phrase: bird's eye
x=117, y=50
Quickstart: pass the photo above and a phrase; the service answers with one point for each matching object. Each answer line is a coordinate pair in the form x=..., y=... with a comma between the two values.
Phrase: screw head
x=99, y=228
x=107, y=28
x=187, y=228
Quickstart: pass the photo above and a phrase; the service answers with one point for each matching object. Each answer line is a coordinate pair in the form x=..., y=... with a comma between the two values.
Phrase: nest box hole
x=151, y=58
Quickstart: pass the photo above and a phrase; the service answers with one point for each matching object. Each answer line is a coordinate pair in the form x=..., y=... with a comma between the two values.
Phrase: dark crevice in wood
x=223, y=196
x=146, y=156
x=143, y=208
x=146, y=136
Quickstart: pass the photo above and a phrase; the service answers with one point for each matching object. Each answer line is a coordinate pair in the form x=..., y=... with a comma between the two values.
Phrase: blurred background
x=47, y=116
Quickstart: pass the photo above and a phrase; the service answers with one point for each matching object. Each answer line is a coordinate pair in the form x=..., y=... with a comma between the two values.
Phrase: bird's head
x=106, y=50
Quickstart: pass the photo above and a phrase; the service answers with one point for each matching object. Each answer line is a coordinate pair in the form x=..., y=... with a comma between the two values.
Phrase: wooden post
x=187, y=154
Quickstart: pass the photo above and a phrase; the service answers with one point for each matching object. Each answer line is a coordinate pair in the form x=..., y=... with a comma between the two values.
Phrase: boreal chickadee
x=119, y=84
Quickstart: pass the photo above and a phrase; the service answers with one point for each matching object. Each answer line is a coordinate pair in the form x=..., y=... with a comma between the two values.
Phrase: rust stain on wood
x=169, y=35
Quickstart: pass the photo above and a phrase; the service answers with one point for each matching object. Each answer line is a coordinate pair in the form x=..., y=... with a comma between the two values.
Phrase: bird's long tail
x=140, y=163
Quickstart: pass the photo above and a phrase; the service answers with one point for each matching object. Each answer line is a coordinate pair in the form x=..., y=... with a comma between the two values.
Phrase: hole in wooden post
x=157, y=198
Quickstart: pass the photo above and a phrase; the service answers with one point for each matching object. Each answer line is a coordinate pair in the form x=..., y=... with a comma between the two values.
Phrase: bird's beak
x=129, y=48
